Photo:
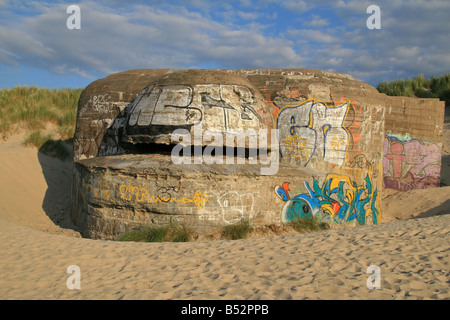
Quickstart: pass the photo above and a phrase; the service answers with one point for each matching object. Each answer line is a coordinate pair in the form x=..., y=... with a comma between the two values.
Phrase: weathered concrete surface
x=331, y=140
x=100, y=108
x=102, y=101
x=117, y=193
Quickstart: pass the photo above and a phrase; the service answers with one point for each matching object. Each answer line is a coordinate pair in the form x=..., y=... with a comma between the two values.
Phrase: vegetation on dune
x=32, y=109
x=420, y=87
x=308, y=225
x=169, y=233
x=240, y=230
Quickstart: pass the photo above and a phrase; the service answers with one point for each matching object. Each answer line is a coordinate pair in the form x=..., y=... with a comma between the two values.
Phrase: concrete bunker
x=329, y=146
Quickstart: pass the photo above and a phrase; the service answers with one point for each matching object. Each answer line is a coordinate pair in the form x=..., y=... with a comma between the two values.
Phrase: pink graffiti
x=425, y=158
x=413, y=157
x=397, y=158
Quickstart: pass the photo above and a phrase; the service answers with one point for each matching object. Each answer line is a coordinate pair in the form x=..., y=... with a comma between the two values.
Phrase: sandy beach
x=38, y=243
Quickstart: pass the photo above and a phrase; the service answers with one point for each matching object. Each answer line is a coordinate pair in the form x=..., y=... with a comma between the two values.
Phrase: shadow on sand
x=442, y=209
x=58, y=176
x=445, y=171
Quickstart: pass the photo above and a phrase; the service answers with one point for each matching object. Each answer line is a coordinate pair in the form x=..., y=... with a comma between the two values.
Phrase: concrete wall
x=331, y=140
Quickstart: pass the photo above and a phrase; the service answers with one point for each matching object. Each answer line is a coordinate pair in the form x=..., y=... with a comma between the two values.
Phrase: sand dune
x=413, y=257
x=38, y=243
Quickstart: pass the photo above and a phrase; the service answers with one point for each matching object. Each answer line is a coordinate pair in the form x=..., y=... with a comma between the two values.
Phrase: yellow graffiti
x=297, y=147
x=101, y=192
x=200, y=198
x=352, y=191
x=335, y=143
x=140, y=194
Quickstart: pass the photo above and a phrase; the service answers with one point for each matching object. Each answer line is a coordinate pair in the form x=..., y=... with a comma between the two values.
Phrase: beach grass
x=168, y=233
x=240, y=230
x=32, y=109
x=308, y=225
x=419, y=86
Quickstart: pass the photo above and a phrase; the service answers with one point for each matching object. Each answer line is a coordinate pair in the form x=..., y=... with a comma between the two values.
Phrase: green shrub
x=237, y=231
x=168, y=233
x=308, y=225
x=36, y=139
x=33, y=108
x=419, y=87
x=179, y=233
x=56, y=149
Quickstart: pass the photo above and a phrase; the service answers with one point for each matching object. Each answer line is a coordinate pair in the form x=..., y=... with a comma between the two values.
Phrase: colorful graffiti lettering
x=355, y=127
x=312, y=129
x=140, y=194
x=338, y=199
x=410, y=164
x=296, y=147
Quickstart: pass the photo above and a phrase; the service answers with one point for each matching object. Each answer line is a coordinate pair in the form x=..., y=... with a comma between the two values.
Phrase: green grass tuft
x=56, y=149
x=168, y=233
x=240, y=230
x=308, y=225
x=32, y=108
x=36, y=139
x=419, y=87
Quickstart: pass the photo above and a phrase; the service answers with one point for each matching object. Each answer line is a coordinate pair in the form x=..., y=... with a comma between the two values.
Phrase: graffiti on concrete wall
x=312, y=129
x=227, y=107
x=103, y=191
x=337, y=199
x=235, y=206
x=99, y=103
x=278, y=99
x=355, y=127
x=410, y=163
x=140, y=193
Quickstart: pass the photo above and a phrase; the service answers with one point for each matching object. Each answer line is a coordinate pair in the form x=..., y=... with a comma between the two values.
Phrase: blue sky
x=37, y=48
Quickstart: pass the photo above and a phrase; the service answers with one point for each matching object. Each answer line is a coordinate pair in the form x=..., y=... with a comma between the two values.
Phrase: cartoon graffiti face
x=301, y=206
x=298, y=208
x=338, y=199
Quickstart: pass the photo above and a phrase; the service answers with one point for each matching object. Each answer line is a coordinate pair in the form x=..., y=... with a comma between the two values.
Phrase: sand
x=38, y=243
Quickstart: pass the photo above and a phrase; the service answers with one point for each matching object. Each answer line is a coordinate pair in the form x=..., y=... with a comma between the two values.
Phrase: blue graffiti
x=338, y=200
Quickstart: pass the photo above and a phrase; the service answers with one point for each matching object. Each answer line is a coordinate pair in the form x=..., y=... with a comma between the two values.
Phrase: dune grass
x=308, y=225
x=168, y=233
x=31, y=109
x=419, y=86
x=240, y=230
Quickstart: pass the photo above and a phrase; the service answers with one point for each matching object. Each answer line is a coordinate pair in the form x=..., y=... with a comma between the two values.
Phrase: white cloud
x=316, y=22
x=239, y=34
x=247, y=15
x=295, y=5
x=141, y=37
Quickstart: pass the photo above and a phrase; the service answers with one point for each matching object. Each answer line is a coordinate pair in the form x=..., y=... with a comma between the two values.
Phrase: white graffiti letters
x=219, y=107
